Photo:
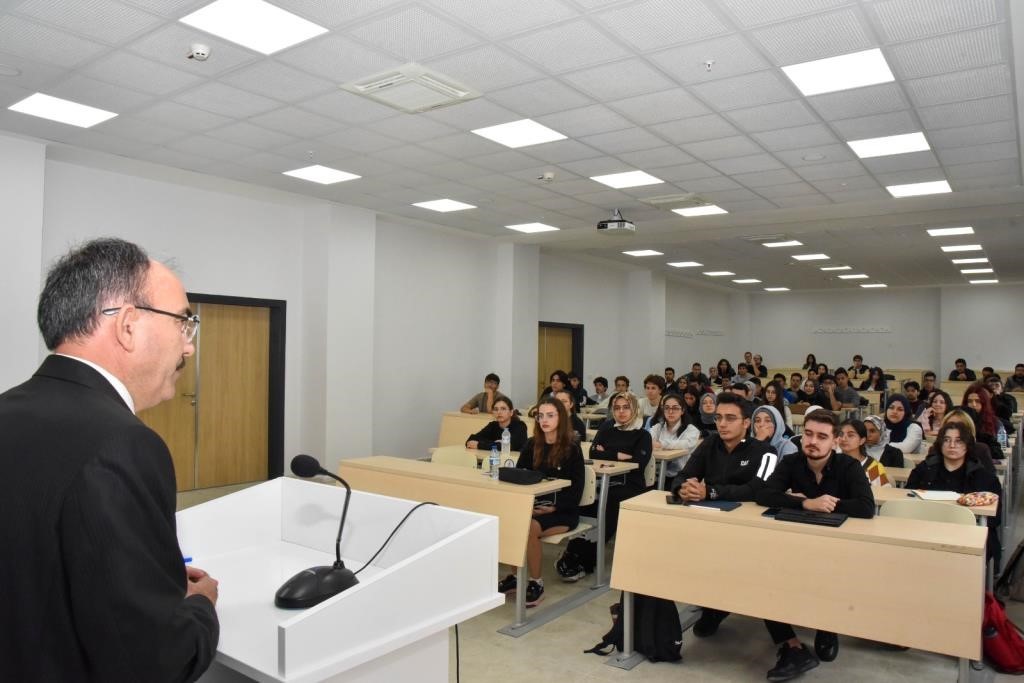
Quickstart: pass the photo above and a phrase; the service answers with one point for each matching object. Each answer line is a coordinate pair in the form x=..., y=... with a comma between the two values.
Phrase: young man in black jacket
x=821, y=481
x=725, y=466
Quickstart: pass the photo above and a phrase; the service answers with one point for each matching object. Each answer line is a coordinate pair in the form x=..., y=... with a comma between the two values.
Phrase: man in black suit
x=92, y=581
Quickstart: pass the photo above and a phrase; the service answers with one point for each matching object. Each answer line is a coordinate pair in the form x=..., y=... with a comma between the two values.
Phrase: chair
x=454, y=455
x=929, y=510
x=588, y=497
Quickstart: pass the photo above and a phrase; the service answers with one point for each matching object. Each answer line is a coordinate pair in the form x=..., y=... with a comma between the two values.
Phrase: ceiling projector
x=616, y=223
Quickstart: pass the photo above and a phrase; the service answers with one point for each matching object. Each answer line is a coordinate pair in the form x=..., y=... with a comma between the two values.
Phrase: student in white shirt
x=671, y=430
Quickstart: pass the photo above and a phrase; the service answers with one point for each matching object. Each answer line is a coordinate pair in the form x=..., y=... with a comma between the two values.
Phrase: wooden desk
x=457, y=426
x=482, y=455
x=884, y=495
x=662, y=457
x=899, y=475
x=830, y=593
x=462, y=488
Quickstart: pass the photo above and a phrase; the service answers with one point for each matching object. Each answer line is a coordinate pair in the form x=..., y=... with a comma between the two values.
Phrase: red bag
x=1002, y=642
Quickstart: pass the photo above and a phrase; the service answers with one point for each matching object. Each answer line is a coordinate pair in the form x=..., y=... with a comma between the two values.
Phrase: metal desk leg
x=521, y=581
x=602, y=506
x=662, y=472
x=626, y=659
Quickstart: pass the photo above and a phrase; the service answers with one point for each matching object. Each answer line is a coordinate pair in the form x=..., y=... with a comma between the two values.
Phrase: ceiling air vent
x=685, y=200
x=412, y=88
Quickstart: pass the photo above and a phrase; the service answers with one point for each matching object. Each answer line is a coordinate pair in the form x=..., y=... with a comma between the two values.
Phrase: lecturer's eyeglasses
x=189, y=323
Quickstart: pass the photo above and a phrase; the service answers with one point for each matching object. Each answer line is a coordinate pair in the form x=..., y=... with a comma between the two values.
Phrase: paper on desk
x=937, y=495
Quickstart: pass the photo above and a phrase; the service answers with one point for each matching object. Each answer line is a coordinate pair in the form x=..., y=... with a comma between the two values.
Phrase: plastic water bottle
x=506, y=445
x=495, y=461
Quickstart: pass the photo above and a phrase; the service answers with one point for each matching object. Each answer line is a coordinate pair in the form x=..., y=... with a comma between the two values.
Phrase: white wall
x=982, y=325
x=21, y=196
x=697, y=312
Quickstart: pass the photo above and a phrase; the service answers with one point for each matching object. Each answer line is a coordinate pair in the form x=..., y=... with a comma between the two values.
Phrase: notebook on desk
x=810, y=517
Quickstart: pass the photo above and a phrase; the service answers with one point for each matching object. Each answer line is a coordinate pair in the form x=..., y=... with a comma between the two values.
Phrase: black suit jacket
x=92, y=583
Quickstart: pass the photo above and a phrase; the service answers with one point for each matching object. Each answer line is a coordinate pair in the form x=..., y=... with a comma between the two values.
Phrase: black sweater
x=729, y=476
x=635, y=442
x=491, y=434
x=579, y=429
x=571, y=468
x=843, y=477
x=931, y=473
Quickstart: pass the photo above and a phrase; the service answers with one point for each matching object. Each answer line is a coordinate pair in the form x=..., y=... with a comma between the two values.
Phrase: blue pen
x=187, y=559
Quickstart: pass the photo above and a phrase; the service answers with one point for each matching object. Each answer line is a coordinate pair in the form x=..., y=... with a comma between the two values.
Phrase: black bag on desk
x=515, y=475
x=657, y=631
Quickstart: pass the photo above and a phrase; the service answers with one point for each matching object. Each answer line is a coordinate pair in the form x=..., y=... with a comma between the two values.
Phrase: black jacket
x=891, y=457
x=729, y=476
x=843, y=477
x=636, y=442
x=571, y=468
x=930, y=473
x=579, y=429
x=491, y=434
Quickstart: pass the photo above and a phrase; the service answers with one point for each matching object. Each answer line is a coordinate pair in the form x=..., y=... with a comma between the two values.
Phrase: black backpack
x=657, y=632
x=580, y=555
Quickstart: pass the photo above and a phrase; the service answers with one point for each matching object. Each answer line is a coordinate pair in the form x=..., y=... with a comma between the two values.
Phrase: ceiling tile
x=985, y=183
x=43, y=44
x=209, y=147
x=539, y=98
x=413, y=34
x=877, y=125
x=656, y=158
x=967, y=113
x=485, y=68
x=964, y=85
x=102, y=20
x=740, y=194
x=694, y=129
x=576, y=123
x=901, y=162
x=990, y=152
x=413, y=156
x=909, y=19
x=168, y=8
x=750, y=90
x=846, y=183
x=815, y=37
x=867, y=195
x=567, y=46
x=756, y=12
x=628, y=140
x=461, y=145
x=226, y=100
x=331, y=13
x=922, y=175
x=411, y=128
x=98, y=94
x=140, y=130
x=509, y=160
x=620, y=79
x=962, y=136
x=828, y=154
x=766, y=179
x=478, y=113
x=848, y=104
x=363, y=141
x=799, y=201
x=774, y=192
x=657, y=107
x=297, y=122
x=561, y=151
x=131, y=71
x=344, y=107
x=954, y=52
x=795, y=138
x=33, y=76
x=736, y=146
x=1002, y=167
x=677, y=174
x=747, y=164
x=337, y=58
x=596, y=166
x=272, y=79
x=651, y=24
x=245, y=133
x=174, y=158
x=730, y=56
x=752, y=205
x=174, y=115
x=495, y=18
x=771, y=116
x=828, y=171
x=169, y=45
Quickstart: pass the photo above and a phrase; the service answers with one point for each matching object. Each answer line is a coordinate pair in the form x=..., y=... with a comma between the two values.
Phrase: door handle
x=189, y=395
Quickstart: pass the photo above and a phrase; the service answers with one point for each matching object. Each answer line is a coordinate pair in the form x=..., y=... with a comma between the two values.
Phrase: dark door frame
x=577, y=343
x=275, y=389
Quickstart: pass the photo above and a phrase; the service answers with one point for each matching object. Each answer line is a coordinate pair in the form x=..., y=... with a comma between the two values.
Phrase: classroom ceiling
x=627, y=83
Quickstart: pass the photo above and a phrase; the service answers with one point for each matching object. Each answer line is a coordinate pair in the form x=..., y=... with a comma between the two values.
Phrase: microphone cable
x=392, y=535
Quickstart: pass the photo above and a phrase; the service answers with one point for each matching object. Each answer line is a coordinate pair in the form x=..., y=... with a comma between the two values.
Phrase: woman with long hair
x=978, y=399
x=773, y=396
x=553, y=451
x=939, y=404
x=810, y=362
x=985, y=450
x=504, y=418
x=725, y=371
x=875, y=381
x=853, y=438
x=671, y=430
x=579, y=430
x=904, y=433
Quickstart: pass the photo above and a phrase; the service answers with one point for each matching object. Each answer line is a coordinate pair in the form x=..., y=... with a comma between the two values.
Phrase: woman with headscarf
x=671, y=430
x=767, y=425
x=904, y=433
x=707, y=425
x=875, y=381
x=852, y=440
x=877, y=443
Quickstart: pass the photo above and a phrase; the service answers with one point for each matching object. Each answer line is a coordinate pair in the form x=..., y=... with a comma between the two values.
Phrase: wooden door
x=175, y=421
x=554, y=352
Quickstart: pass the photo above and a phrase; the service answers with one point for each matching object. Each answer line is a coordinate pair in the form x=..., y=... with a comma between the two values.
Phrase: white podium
x=440, y=569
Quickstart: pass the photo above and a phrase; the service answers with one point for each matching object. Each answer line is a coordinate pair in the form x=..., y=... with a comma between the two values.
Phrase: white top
x=686, y=441
x=912, y=441
x=118, y=385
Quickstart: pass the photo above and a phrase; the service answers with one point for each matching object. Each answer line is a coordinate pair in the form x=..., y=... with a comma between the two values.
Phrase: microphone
x=312, y=586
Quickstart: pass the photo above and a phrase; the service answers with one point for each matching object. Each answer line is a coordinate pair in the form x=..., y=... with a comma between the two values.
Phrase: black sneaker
x=534, y=593
x=569, y=568
x=792, y=662
x=508, y=584
x=826, y=646
x=708, y=623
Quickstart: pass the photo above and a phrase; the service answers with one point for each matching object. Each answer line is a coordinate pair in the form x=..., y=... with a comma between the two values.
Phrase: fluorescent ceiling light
x=874, y=285
x=532, y=227
x=890, y=144
x=827, y=268
x=962, y=261
x=916, y=189
x=643, y=252
x=810, y=257
x=685, y=264
x=946, y=232
x=627, y=179
x=254, y=24
x=787, y=243
x=961, y=247
x=719, y=273
x=976, y=271
x=984, y=282
x=444, y=205
x=854, y=70
x=746, y=281
x=776, y=289
x=62, y=111
x=709, y=210
x=321, y=174
x=859, y=276
x=520, y=133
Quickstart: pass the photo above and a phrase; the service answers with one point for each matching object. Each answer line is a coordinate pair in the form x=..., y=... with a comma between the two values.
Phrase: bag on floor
x=580, y=555
x=1002, y=642
x=1010, y=585
x=657, y=631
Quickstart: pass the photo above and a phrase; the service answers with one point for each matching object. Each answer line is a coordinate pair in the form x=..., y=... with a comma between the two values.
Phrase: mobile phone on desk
x=771, y=512
x=674, y=500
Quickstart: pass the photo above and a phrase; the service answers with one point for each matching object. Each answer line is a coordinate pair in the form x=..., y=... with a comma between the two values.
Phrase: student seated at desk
x=600, y=395
x=810, y=394
x=875, y=380
x=774, y=396
x=671, y=429
x=579, y=430
x=550, y=450
x=727, y=465
x=484, y=401
x=877, y=444
x=624, y=440
x=767, y=426
x=1003, y=403
x=961, y=373
x=904, y=433
x=706, y=409
x=504, y=418
x=930, y=419
x=978, y=399
x=852, y=440
x=823, y=481
x=984, y=447
x=654, y=388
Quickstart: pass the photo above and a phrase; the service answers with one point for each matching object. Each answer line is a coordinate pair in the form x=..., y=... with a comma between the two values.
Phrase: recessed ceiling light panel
x=719, y=273
x=627, y=179
x=946, y=232
x=747, y=281
x=984, y=282
x=854, y=70
x=61, y=111
x=254, y=24
x=776, y=289
x=643, y=252
x=918, y=189
x=787, y=243
x=828, y=268
x=953, y=248
x=876, y=285
x=888, y=145
x=444, y=205
x=858, y=276
x=811, y=257
x=976, y=271
x=962, y=261
x=531, y=227
x=321, y=174
x=708, y=210
x=522, y=133
x=685, y=264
